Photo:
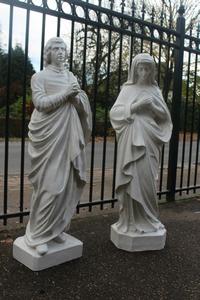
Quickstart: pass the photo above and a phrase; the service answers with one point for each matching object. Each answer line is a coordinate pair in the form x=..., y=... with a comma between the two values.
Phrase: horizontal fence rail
x=101, y=42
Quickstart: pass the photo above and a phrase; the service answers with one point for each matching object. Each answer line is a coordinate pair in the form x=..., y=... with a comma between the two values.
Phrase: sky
x=19, y=27
x=35, y=31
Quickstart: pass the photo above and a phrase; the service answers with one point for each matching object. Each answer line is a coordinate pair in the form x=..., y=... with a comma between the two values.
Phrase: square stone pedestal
x=138, y=242
x=57, y=253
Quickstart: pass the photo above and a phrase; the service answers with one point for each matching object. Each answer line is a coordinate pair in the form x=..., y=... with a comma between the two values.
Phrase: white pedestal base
x=138, y=242
x=57, y=253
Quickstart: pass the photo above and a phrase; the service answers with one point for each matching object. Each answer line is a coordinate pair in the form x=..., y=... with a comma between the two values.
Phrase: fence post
x=176, y=104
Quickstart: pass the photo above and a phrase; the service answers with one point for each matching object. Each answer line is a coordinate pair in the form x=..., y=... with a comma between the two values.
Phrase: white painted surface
x=133, y=242
x=143, y=124
x=58, y=253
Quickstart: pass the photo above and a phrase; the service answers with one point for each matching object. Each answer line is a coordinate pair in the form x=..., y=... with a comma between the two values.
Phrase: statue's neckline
x=56, y=69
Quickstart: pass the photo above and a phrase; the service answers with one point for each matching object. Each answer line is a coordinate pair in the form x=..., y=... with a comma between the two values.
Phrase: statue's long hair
x=48, y=47
x=141, y=58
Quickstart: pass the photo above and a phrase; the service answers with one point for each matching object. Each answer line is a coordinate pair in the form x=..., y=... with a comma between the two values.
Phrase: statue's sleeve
x=158, y=105
x=41, y=100
x=82, y=106
x=121, y=117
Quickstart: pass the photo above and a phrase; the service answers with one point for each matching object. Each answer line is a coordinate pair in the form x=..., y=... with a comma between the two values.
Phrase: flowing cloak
x=140, y=138
x=58, y=135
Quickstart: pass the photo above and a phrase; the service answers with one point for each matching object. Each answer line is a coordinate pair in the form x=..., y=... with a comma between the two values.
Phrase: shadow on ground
x=104, y=272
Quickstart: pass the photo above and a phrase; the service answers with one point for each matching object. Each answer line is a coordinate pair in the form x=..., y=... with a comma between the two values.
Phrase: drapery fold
x=140, y=137
x=58, y=136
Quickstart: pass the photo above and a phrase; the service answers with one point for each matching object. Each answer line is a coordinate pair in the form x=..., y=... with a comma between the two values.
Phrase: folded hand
x=145, y=102
x=73, y=90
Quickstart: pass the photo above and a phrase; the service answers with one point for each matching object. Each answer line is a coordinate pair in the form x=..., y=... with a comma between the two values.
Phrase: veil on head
x=140, y=58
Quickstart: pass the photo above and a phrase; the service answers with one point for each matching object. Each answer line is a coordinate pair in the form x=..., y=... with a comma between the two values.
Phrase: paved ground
x=104, y=272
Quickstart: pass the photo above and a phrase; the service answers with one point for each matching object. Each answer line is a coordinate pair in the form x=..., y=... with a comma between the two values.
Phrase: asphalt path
x=106, y=272
x=14, y=156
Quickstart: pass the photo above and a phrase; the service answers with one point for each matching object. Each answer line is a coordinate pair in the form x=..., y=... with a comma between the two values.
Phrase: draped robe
x=58, y=133
x=140, y=138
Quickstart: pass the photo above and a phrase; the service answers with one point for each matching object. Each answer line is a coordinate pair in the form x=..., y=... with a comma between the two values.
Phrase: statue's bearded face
x=58, y=53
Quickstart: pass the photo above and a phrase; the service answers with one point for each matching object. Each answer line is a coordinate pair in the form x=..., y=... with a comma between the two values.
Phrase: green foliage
x=100, y=113
x=16, y=109
x=17, y=71
x=190, y=106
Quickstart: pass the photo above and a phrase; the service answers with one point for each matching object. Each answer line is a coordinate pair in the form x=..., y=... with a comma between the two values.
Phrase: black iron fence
x=101, y=43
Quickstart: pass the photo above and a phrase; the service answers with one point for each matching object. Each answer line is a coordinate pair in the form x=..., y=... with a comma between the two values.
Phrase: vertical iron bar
x=24, y=116
x=43, y=40
x=159, y=63
x=7, y=115
x=176, y=104
x=165, y=95
x=185, y=121
x=106, y=118
x=198, y=133
x=84, y=58
x=94, y=118
x=58, y=19
x=192, y=125
x=84, y=71
x=152, y=20
x=131, y=46
x=197, y=153
x=160, y=47
x=132, y=35
x=143, y=14
x=159, y=75
x=162, y=153
x=114, y=171
x=72, y=40
x=161, y=170
x=119, y=85
x=115, y=149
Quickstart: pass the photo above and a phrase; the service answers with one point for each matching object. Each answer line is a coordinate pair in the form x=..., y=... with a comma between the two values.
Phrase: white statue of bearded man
x=59, y=130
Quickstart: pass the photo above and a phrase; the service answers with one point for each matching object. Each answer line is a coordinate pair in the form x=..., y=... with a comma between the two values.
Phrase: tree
x=17, y=69
x=165, y=13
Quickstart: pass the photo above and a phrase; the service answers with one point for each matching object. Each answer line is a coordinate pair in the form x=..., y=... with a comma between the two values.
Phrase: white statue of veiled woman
x=143, y=124
x=59, y=130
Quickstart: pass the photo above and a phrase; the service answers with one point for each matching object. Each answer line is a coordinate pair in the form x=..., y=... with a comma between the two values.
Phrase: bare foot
x=61, y=238
x=42, y=249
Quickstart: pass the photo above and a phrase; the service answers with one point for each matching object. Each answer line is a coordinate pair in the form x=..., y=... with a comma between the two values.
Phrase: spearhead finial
x=112, y=4
x=181, y=10
x=133, y=7
x=123, y=5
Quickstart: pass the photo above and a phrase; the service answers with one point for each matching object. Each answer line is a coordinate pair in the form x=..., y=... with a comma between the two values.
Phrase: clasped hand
x=72, y=90
x=141, y=104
